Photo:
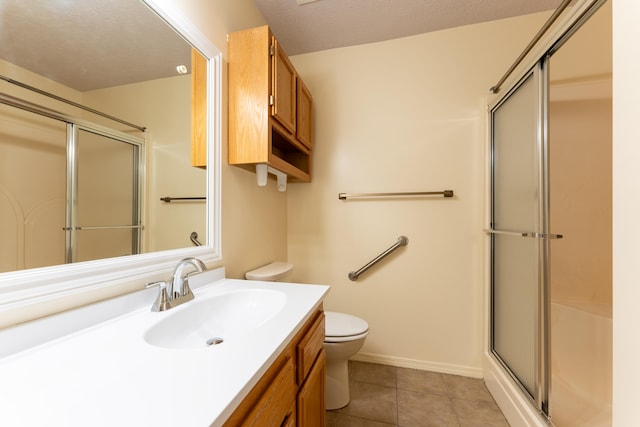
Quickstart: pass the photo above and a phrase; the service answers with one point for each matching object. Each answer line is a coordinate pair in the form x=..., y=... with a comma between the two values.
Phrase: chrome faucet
x=177, y=290
x=179, y=284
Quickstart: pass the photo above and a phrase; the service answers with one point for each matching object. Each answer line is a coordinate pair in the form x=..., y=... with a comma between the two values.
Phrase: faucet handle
x=162, y=302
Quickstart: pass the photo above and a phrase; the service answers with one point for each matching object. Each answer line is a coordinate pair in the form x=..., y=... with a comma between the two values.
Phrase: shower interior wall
x=581, y=197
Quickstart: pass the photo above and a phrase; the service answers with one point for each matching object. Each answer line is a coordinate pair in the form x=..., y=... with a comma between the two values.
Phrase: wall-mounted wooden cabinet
x=270, y=108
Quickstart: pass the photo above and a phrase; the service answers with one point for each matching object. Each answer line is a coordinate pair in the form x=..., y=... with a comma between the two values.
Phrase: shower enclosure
x=71, y=191
x=550, y=230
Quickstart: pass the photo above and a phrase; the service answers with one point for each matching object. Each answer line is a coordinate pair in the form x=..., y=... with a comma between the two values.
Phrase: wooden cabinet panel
x=249, y=85
x=275, y=406
x=270, y=402
x=309, y=347
x=284, y=89
x=291, y=419
x=311, y=405
x=304, y=111
x=198, y=109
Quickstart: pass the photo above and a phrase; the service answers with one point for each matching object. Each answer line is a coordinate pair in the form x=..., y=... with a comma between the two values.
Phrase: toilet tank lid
x=343, y=325
x=270, y=272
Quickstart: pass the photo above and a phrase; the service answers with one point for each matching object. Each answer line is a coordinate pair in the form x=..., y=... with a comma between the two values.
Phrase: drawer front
x=276, y=404
x=309, y=347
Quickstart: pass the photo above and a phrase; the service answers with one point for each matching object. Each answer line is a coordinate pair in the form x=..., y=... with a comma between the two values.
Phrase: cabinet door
x=284, y=89
x=311, y=406
x=198, y=109
x=304, y=110
x=274, y=408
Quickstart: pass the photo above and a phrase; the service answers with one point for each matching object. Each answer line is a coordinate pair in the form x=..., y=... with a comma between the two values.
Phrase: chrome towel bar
x=402, y=241
x=102, y=227
x=525, y=234
x=170, y=199
x=445, y=193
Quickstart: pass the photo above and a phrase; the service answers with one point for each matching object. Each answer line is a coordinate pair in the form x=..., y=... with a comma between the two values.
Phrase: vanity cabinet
x=270, y=107
x=291, y=392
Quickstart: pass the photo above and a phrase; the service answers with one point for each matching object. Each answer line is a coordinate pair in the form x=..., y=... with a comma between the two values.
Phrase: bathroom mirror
x=132, y=61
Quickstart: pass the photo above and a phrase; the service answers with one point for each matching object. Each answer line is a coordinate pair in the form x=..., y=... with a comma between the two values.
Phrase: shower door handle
x=524, y=234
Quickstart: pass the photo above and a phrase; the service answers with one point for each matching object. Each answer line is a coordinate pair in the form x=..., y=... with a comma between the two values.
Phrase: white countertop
x=108, y=375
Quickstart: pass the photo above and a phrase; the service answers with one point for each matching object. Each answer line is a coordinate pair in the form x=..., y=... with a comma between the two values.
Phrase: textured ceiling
x=90, y=44
x=327, y=24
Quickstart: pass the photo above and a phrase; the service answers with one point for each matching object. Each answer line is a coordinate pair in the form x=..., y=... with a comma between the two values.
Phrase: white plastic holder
x=262, y=169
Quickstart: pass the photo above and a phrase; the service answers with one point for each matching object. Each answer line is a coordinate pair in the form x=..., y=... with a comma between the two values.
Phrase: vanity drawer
x=309, y=347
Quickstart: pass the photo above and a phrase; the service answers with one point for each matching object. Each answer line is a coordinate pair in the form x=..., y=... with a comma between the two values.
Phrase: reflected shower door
x=32, y=190
x=105, y=208
x=515, y=220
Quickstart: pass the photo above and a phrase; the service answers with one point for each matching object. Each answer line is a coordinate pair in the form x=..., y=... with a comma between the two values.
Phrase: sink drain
x=214, y=341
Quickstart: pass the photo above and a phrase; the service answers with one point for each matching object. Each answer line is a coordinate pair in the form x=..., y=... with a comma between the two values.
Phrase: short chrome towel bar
x=170, y=199
x=402, y=241
x=102, y=227
x=525, y=234
x=445, y=193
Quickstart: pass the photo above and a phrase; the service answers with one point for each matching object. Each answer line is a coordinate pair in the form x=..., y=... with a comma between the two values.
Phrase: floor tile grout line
x=395, y=377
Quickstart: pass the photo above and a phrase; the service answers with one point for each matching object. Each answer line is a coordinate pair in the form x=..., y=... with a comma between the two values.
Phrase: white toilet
x=344, y=337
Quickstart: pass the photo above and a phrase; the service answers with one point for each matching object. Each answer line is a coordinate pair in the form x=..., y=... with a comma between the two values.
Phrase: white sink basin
x=211, y=320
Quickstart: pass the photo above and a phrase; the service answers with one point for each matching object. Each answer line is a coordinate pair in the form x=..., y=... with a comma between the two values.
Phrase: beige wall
x=254, y=219
x=403, y=115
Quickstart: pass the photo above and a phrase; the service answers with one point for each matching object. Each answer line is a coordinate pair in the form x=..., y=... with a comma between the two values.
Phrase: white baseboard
x=399, y=362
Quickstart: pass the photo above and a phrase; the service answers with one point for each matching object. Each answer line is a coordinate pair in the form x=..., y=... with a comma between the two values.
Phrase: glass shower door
x=515, y=222
x=104, y=215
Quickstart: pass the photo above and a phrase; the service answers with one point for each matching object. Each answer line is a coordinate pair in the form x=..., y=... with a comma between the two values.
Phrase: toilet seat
x=342, y=327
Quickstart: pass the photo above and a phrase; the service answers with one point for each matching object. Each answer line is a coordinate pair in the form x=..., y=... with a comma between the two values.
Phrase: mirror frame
x=22, y=288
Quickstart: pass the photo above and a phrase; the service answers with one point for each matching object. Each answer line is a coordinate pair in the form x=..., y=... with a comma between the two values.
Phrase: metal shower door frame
x=540, y=396
x=71, y=226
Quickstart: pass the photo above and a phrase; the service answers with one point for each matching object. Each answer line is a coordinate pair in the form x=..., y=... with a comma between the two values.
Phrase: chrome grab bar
x=402, y=241
x=532, y=234
x=445, y=193
x=194, y=238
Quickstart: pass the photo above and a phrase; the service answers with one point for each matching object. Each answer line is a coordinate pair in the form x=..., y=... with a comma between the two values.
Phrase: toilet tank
x=274, y=272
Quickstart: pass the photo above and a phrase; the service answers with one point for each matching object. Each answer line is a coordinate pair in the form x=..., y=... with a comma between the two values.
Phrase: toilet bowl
x=344, y=337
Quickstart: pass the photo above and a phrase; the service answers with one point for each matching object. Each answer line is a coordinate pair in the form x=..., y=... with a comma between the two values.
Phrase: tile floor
x=385, y=396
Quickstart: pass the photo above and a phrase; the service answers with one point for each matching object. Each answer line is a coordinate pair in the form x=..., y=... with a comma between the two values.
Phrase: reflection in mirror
x=76, y=185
